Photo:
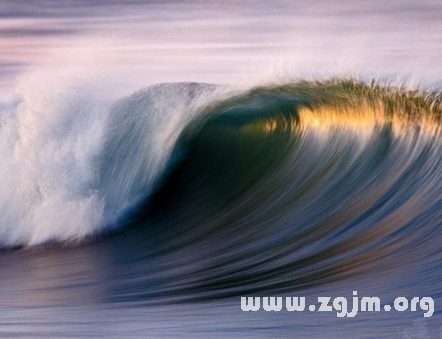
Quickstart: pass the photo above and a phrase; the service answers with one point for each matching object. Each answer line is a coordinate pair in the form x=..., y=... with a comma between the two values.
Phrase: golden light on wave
x=361, y=119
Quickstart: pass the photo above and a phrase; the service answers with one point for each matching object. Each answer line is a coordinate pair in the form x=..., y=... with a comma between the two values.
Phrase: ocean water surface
x=162, y=159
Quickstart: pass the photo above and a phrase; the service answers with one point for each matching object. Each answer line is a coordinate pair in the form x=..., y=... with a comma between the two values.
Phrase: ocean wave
x=340, y=162
x=74, y=167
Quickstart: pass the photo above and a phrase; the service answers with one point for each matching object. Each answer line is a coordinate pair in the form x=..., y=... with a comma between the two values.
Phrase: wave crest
x=73, y=167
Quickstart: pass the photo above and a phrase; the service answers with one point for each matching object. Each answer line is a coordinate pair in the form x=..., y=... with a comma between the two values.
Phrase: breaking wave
x=341, y=164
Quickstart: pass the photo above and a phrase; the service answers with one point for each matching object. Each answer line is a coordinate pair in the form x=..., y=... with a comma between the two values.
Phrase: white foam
x=71, y=164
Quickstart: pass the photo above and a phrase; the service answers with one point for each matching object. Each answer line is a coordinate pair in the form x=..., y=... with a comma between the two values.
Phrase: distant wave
x=341, y=163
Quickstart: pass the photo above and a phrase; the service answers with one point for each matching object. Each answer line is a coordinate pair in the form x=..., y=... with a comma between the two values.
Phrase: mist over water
x=161, y=159
x=148, y=42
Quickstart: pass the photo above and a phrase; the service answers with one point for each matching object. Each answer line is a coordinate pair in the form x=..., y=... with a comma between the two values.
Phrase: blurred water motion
x=149, y=213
